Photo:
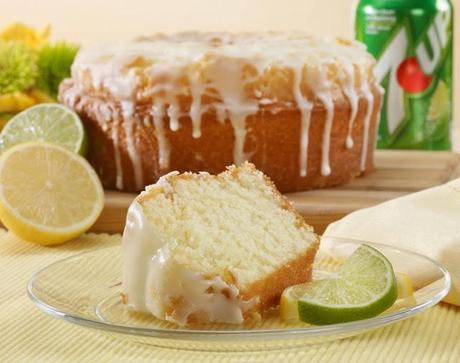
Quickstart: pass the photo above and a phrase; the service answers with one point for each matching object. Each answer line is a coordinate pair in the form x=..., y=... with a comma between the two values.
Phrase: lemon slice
x=406, y=296
x=404, y=285
x=289, y=310
x=48, y=194
x=48, y=122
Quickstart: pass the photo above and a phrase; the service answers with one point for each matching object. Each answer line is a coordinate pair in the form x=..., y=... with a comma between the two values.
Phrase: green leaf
x=54, y=62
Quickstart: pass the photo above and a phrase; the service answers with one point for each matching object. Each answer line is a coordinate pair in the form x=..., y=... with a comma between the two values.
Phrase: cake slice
x=205, y=248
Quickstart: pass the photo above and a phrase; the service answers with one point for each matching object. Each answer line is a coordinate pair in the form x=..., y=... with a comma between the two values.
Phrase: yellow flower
x=16, y=102
x=19, y=32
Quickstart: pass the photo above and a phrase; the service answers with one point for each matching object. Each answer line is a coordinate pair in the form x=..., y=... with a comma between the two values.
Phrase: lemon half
x=48, y=194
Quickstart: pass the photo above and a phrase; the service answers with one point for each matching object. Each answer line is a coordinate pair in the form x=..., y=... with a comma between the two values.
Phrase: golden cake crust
x=272, y=141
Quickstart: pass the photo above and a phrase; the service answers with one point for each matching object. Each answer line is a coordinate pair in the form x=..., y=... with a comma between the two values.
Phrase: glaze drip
x=116, y=150
x=129, y=121
x=196, y=110
x=163, y=144
x=350, y=92
x=367, y=120
x=305, y=108
x=173, y=115
x=326, y=98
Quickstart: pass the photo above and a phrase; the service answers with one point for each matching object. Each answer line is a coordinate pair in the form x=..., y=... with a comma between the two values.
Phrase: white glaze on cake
x=152, y=279
x=305, y=108
x=129, y=119
x=228, y=74
x=167, y=281
x=163, y=144
x=367, y=120
x=350, y=92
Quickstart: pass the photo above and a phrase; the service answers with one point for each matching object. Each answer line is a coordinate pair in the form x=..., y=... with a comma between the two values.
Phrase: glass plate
x=85, y=290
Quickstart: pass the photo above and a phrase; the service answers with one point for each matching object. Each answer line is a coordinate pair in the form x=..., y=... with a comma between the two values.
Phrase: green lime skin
x=318, y=312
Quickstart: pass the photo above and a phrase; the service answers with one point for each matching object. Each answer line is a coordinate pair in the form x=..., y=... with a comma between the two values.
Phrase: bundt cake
x=303, y=109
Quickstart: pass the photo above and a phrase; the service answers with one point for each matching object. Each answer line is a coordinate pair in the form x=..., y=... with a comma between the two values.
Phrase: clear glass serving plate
x=85, y=290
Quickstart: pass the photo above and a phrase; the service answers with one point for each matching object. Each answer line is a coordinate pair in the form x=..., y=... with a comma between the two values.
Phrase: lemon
x=48, y=122
x=439, y=105
x=404, y=285
x=48, y=194
x=289, y=310
x=406, y=296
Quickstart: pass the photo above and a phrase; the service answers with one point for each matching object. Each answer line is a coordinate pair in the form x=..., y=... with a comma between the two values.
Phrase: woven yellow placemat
x=28, y=335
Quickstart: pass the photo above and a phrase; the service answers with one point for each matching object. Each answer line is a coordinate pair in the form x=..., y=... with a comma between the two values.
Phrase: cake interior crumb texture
x=235, y=225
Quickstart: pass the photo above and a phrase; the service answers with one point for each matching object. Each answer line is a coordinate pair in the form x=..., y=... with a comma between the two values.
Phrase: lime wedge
x=439, y=105
x=48, y=122
x=289, y=310
x=363, y=287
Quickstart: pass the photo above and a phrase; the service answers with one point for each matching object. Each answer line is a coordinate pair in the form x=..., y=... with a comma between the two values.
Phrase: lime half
x=364, y=287
x=48, y=122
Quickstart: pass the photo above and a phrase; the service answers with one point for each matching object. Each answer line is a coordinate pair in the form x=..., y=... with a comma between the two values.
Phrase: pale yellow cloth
x=427, y=222
x=28, y=335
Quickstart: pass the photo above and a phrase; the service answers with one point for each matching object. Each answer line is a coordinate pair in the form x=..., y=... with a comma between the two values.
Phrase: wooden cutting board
x=396, y=173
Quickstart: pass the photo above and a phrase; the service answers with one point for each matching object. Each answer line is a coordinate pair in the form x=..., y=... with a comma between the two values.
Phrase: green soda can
x=412, y=42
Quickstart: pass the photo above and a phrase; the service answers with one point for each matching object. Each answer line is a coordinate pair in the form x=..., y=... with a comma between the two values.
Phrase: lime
x=439, y=105
x=48, y=122
x=289, y=310
x=363, y=287
x=48, y=194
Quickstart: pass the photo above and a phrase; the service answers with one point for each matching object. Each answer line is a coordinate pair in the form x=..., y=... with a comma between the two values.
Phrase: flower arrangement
x=31, y=68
